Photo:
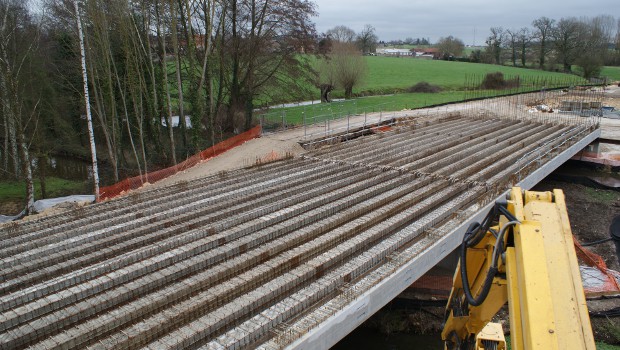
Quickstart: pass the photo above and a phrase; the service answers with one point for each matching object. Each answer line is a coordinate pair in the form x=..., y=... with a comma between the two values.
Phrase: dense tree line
x=147, y=61
x=588, y=43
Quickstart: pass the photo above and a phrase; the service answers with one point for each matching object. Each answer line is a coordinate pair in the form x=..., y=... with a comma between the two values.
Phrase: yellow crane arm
x=528, y=260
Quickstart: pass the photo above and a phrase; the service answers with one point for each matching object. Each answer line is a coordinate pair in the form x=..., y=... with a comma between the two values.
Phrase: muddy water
x=588, y=175
x=368, y=339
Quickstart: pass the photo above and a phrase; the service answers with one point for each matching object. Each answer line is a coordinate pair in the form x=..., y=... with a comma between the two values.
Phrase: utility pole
x=89, y=118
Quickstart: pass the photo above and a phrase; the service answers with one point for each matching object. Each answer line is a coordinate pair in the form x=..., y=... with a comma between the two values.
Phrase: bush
x=425, y=88
x=496, y=81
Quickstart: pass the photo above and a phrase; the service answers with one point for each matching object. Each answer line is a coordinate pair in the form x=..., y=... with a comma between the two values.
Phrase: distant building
x=394, y=52
x=427, y=53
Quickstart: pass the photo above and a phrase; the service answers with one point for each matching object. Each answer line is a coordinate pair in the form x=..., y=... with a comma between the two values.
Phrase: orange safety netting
x=152, y=177
x=598, y=279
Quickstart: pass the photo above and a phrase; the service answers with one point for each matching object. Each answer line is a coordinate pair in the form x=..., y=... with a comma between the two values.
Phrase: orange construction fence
x=152, y=177
x=597, y=279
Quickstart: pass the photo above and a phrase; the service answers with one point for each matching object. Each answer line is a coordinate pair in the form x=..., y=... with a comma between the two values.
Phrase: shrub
x=424, y=87
x=496, y=81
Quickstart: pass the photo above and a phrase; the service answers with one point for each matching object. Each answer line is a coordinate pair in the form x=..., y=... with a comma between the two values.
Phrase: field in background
x=459, y=81
x=387, y=74
x=612, y=73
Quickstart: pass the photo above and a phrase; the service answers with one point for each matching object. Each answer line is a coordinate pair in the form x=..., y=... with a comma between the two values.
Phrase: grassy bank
x=55, y=187
x=371, y=104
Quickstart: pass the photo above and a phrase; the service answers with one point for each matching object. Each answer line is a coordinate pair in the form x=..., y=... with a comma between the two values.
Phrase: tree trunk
x=235, y=90
x=177, y=63
x=10, y=141
x=9, y=119
x=164, y=69
x=542, y=53
x=348, y=92
x=326, y=89
x=27, y=170
x=89, y=118
x=5, y=149
x=42, y=165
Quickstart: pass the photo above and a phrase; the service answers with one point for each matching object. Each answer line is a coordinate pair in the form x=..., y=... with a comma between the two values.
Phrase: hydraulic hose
x=488, y=281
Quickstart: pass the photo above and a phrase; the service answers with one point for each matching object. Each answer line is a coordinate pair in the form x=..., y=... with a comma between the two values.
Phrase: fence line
x=135, y=182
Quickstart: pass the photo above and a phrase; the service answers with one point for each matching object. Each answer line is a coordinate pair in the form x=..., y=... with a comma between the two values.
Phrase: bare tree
x=341, y=34
x=596, y=41
x=89, y=118
x=19, y=39
x=617, y=41
x=349, y=65
x=177, y=63
x=450, y=47
x=494, y=44
x=512, y=40
x=266, y=38
x=326, y=77
x=367, y=39
x=569, y=41
x=164, y=73
x=544, y=28
x=524, y=37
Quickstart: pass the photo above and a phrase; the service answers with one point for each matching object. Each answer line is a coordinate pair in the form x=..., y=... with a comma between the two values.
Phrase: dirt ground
x=590, y=213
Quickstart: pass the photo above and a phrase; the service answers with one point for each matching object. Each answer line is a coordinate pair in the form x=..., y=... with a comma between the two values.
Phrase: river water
x=369, y=339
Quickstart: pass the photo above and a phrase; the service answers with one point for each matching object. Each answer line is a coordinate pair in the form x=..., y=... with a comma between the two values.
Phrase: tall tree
x=544, y=28
x=367, y=39
x=596, y=42
x=450, y=47
x=349, y=66
x=89, y=119
x=494, y=44
x=341, y=34
x=512, y=40
x=19, y=39
x=524, y=37
x=266, y=38
x=161, y=36
x=569, y=40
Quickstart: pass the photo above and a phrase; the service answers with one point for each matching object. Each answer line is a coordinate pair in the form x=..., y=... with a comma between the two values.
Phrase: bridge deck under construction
x=263, y=257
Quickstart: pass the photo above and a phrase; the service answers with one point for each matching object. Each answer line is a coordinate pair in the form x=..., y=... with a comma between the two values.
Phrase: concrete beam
x=344, y=321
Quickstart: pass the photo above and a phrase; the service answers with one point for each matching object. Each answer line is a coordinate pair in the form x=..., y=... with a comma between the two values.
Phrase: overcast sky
x=399, y=19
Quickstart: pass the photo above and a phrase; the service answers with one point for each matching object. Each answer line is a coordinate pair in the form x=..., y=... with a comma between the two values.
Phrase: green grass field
x=317, y=113
x=388, y=73
x=611, y=72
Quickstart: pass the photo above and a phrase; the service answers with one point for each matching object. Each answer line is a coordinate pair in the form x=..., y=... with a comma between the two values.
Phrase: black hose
x=486, y=287
x=488, y=281
x=615, y=312
x=597, y=242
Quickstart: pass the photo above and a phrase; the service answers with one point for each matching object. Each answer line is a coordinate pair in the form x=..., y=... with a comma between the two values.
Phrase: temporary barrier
x=598, y=279
x=135, y=182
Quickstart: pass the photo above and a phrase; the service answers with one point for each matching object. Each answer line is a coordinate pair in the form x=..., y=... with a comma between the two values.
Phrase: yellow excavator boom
x=528, y=260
